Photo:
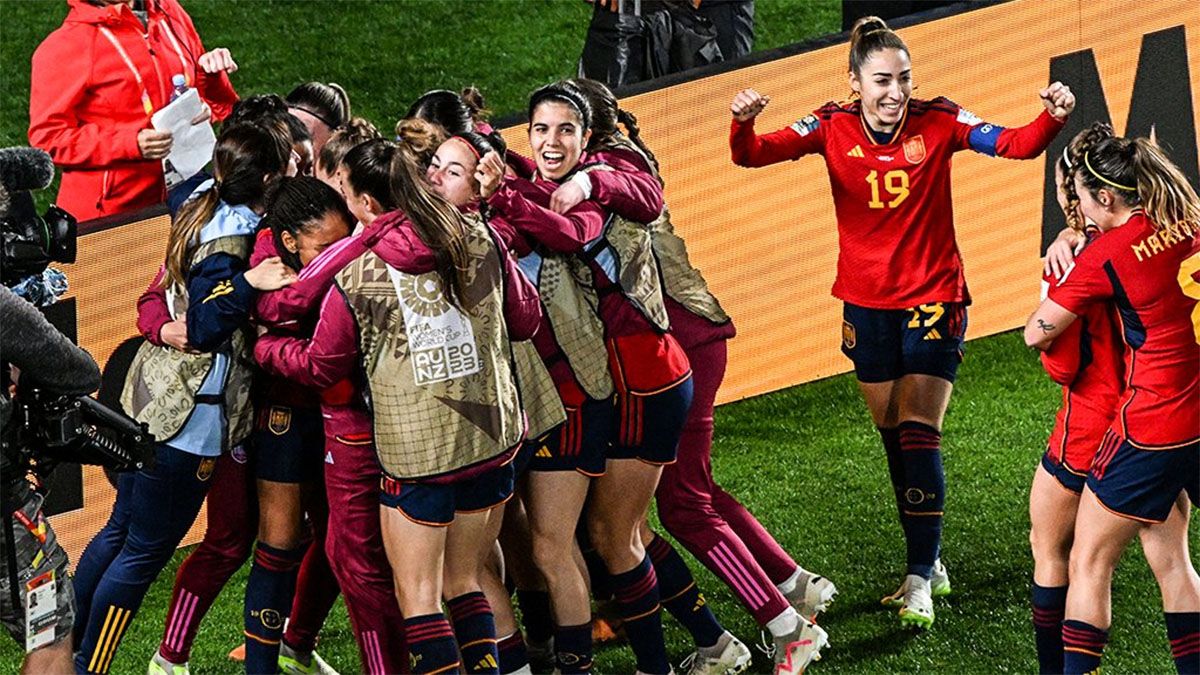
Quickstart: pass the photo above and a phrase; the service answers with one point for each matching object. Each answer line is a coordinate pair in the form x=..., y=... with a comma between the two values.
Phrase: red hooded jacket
x=331, y=354
x=86, y=107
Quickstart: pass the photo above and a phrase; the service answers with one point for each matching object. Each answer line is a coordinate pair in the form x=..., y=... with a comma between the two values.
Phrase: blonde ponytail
x=1165, y=194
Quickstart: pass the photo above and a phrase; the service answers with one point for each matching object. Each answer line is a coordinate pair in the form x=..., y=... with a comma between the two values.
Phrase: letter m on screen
x=1160, y=107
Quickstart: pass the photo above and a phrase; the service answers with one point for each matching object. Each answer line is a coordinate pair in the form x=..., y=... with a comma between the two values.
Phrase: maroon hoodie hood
x=394, y=238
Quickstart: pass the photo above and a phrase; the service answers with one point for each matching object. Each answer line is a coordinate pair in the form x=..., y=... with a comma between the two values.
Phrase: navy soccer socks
x=1083, y=647
x=924, y=495
x=268, y=602
x=1183, y=630
x=1049, y=603
x=513, y=654
x=680, y=596
x=573, y=649
x=895, y=464
x=475, y=628
x=637, y=596
x=431, y=645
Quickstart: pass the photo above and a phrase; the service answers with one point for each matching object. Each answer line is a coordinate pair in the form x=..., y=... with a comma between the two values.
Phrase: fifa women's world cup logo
x=441, y=343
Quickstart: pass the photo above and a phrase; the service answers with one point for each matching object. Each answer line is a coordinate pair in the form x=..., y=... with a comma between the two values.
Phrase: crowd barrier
x=766, y=239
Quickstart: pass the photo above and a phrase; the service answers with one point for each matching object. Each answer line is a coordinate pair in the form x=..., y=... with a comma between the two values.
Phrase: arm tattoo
x=1046, y=327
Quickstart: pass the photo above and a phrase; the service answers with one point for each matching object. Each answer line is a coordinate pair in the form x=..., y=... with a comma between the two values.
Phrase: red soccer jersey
x=1087, y=359
x=895, y=221
x=1135, y=267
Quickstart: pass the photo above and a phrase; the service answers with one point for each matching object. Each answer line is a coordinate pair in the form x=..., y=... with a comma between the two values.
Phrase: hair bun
x=867, y=24
x=473, y=99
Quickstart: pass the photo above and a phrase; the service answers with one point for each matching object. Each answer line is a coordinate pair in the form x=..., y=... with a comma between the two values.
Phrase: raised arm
x=748, y=149
x=1024, y=142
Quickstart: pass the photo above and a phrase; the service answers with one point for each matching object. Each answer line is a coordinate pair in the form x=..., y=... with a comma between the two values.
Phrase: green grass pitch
x=806, y=460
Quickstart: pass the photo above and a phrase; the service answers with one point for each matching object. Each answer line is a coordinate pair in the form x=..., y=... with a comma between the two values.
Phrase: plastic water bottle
x=178, y=86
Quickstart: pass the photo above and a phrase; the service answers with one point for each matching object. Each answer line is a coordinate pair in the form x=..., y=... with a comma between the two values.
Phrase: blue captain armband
x=983, y=138
x=806, y=125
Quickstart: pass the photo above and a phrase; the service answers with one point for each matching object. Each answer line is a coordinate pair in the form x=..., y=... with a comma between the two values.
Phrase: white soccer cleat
x=796, y=651
x=917, y=610
x=159, y=665
x=734, y=659
x=939, y=586
x=818, y=593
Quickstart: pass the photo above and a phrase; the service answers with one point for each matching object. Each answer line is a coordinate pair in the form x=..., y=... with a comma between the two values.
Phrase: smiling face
x=884, y=85
x=451, y=172
x=558, y=138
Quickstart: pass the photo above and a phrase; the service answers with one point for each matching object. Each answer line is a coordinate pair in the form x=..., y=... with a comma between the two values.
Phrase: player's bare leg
x=1166, y=549
x=1052, y=516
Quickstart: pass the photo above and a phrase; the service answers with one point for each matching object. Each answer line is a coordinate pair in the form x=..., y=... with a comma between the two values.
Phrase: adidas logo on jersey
x=933, y=334
x=856, y=151
x=486, y=663
x=543, y=452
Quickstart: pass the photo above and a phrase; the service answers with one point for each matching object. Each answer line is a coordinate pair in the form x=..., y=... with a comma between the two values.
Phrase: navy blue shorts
x=579, y=444
x=1143, y=484
x=436, y=503
x=887, y=344
x=289, y=444
x=1063, y=474
x=648, y=425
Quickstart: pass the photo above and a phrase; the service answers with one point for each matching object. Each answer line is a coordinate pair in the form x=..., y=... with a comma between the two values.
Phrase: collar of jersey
x=866, y=129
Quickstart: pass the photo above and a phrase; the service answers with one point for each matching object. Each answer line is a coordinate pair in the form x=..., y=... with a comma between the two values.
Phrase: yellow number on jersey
x=919, y=320
x=896, y=184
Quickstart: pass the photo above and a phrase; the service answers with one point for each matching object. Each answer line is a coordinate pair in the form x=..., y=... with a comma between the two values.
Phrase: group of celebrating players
x=361, y=350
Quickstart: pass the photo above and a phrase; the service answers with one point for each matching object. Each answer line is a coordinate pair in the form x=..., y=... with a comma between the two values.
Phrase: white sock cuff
x=784, y=624
x=789, y=585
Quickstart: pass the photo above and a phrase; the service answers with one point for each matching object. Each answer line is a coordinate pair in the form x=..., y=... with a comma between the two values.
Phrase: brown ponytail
x=185, y=229
x=245, y=153
x=473, y=99
x=631, y=126
x=869, y=35
x=437, y=222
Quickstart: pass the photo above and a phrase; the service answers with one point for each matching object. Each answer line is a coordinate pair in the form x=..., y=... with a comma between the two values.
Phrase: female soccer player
x=455, y=113
x=305, y=218
x=1151, y=453
x=325, y=166
x=1086, y=361
x=197, y=404
x=707, y=520
x=649, y=369
x=899, y=274
x=323, y=108
x=446, y=409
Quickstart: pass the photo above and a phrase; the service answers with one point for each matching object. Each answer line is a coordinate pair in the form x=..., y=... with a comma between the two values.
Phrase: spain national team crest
x=205, y=470
x=914, y=149
x=280, y=420
x=849, y=339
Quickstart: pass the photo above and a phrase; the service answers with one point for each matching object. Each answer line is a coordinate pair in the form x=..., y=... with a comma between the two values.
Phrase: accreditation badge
x=41, y=611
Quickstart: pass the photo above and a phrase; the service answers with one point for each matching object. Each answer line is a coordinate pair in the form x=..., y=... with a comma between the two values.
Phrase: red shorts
x=1077, y=435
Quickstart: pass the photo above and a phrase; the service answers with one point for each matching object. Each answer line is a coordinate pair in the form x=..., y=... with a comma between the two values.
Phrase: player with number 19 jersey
x=891, y=191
